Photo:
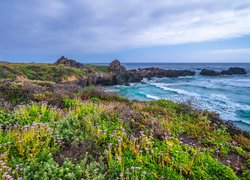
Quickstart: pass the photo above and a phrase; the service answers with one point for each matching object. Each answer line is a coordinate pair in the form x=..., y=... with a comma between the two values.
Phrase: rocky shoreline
x=119, y=75
x=230, y=71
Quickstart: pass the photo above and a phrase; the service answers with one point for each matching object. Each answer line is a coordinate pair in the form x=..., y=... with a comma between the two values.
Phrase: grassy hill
x=51, y=128
x=48, y=72
x=65, y=132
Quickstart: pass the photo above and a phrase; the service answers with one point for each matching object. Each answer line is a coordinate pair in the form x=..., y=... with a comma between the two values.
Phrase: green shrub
x=87, y=169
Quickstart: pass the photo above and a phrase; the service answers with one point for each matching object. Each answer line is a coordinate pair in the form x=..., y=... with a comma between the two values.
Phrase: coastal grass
x=98, y=135
x=43, y=72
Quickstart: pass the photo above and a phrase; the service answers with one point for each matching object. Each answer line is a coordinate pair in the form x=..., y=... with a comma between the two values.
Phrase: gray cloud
x=85, y=26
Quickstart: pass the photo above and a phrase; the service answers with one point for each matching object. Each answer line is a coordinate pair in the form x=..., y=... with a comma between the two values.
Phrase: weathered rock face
x=230, y=71
x=207, y=72
x=157, y=72
x=68, y=62
x=121, y=75
x=233, y=70
x=116, y=66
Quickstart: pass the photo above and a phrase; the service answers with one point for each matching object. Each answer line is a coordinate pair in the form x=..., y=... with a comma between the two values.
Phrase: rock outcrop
x=123, y=76
x=230, y=71
x=233, y=70
x=207, y=72
x=68, y=62
x=160, y=73
x=119, y=75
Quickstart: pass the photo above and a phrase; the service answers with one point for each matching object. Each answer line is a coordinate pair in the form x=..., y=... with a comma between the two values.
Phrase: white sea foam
x=152, y=97
x=178, y=91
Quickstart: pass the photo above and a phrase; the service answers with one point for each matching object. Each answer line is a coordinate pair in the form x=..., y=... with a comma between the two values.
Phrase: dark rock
x=117, y=66
x=207, y=72
x=233, y=70
x=68, y=62
x=160, y=73
x=230, y=71
x=122, y=75
x=126, y=84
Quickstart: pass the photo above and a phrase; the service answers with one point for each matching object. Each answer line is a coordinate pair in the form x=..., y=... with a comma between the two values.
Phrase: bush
x=87, y=169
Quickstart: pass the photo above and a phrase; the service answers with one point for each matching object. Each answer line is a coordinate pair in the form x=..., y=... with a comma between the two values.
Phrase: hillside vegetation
x=86, y=133
x=47, y=72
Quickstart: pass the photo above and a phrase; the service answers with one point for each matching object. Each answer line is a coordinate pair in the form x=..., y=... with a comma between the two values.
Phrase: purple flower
x=109, y=144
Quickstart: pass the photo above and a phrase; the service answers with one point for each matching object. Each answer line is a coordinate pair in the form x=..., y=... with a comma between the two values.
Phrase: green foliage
x=25, y=115
x=87, y=169
x=91, y=92
x=103, y=69
x=144, y=140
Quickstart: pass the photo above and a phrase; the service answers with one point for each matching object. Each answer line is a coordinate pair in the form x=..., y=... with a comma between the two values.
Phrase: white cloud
x=83, y=26
x=229, y=51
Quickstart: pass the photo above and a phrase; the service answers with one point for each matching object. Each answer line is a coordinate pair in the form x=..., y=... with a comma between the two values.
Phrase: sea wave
x=152, y=97
x=178, y=91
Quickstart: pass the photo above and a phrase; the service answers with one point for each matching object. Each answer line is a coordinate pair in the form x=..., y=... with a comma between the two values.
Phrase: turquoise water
x=227, y=95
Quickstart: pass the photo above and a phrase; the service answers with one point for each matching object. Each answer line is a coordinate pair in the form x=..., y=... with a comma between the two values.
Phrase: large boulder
x=116, y=66
x=233, y=70
x=68, y=62
x=121, y=75
x=207, y=72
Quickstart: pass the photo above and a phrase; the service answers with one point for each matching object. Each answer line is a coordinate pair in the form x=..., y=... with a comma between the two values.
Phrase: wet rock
x=160, y=73
x=230, y=71
x=207, y=72
x=233, y=70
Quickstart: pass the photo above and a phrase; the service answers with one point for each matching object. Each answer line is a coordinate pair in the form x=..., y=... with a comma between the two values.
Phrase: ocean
x=227, y=95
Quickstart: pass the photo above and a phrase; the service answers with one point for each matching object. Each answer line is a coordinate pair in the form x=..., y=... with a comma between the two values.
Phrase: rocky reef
x=66, y=70
x=160, y=73
x=119, y=75
x=230, y=71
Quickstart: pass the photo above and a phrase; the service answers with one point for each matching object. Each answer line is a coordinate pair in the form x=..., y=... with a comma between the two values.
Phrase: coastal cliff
x=52, y=121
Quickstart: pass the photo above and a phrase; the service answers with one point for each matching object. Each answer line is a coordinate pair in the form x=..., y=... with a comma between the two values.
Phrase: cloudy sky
x=131, y=30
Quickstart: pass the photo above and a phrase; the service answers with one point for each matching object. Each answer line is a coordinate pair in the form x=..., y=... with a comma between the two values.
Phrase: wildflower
x=109, y=144
x=234, y=143
x=144, y=172
x=136, y=178
x=119, y=158
x=180, y=167
x=132, y=167
x=121, y=174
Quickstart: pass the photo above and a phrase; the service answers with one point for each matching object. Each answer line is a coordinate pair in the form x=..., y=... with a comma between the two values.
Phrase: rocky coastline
x=230, y=71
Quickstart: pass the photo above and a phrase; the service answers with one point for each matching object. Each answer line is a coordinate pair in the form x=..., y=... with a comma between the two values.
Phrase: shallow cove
x=227, y=95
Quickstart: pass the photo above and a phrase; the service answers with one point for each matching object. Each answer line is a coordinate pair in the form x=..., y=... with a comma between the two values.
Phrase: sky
x=92, y=31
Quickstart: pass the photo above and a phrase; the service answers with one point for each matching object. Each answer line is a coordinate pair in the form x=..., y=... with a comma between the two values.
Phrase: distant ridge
x=4, y=62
